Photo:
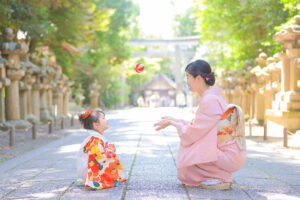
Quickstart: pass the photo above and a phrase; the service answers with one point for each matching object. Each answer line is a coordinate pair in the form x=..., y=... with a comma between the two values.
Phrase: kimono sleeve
x=82, y=160
x=206, y=118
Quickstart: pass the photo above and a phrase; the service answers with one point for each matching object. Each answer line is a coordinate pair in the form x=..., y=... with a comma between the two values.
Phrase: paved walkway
x=49, y=172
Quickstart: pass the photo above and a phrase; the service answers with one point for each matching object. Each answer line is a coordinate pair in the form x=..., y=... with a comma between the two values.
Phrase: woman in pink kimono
x=209, y=150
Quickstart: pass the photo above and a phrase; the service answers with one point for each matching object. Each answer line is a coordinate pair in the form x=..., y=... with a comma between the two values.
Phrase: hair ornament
x=86, y=114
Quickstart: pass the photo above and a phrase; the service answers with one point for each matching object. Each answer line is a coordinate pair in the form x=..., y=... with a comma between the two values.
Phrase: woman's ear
x=199, y=78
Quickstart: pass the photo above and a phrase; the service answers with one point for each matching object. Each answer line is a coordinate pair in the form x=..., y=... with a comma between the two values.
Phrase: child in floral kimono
x=97, y=163
x=212, y=145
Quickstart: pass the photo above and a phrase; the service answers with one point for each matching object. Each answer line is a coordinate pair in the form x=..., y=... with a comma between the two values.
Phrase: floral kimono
x=207, y=149
x=97, y=163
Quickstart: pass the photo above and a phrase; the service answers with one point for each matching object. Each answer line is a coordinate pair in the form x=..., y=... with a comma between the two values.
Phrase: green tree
x=99, y=30
x=293, y=6
x=235, y=31
x=184, y=25
x=107, y=52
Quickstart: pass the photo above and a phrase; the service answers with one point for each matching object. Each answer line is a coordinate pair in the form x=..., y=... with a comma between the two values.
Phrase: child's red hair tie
x=86, y=114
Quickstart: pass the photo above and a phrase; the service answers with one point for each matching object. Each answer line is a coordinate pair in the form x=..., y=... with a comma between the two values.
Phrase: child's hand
x=112, y=147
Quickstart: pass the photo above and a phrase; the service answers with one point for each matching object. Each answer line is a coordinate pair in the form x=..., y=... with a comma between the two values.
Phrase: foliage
x=236, y=31
x=293, y=6
x=98, y=29
x=108, y=50
x=184, y=25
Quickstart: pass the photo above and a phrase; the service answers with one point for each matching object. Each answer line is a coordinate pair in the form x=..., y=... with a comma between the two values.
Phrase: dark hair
x=88, y=121
x=202, y=68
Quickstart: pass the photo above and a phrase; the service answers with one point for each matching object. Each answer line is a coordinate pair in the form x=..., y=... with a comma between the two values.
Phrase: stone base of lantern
x=18, y=124
x=285, y=110
x=32, y=118
x=45, y=116
x=288, y=119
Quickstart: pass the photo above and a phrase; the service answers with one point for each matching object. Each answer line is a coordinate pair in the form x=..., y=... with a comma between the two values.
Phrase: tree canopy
x=236, y=31
x=98, y=29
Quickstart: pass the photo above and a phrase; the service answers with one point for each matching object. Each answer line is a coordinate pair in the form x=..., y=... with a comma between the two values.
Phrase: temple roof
x=159, y=82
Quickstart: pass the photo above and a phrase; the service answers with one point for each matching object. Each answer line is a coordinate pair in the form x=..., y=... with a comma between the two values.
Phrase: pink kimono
x=200, y=157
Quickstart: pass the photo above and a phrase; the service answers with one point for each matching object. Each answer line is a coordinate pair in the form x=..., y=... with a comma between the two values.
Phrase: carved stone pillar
x=37, y=86
x=24, y=88
x=12, y=100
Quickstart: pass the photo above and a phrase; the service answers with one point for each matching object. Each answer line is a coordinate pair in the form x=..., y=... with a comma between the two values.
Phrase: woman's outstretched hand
x=165, y=122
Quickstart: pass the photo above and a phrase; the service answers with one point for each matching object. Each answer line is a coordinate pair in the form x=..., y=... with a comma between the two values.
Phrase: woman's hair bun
x=210, y=79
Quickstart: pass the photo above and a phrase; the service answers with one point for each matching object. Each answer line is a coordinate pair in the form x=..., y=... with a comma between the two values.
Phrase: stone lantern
x=35, y=91
x=79, y=97
x=11, y=52
x=67, y=94
x=4, y=82
x=45, y=81
x=58, y=92
x=257, y=82
x=286, y=107
x=94, y=88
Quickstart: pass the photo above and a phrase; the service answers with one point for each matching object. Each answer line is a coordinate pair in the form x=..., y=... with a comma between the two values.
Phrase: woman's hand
x=165, y=122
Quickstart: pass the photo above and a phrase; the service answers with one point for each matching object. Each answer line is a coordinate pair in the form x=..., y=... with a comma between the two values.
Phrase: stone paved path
x=49, y=172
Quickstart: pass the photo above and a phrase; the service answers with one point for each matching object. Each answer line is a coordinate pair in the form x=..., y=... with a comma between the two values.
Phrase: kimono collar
x=95, y=134
x=212, y=90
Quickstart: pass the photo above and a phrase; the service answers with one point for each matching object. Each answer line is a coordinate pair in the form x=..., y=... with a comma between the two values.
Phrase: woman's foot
x=215, y=185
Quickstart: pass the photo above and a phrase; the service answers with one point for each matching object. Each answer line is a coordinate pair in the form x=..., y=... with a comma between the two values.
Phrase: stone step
x=290, y=106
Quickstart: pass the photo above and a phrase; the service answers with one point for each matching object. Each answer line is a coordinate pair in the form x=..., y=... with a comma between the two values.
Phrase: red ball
x=139, y=68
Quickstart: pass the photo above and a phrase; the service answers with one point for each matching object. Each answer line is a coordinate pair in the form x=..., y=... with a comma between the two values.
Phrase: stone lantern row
x=33, y=88
x=270, y=91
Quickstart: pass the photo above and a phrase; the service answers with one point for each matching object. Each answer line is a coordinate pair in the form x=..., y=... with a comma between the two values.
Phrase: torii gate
x=178, y=45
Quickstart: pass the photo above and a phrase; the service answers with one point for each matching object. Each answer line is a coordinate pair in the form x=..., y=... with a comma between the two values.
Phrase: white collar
x=95, y=134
